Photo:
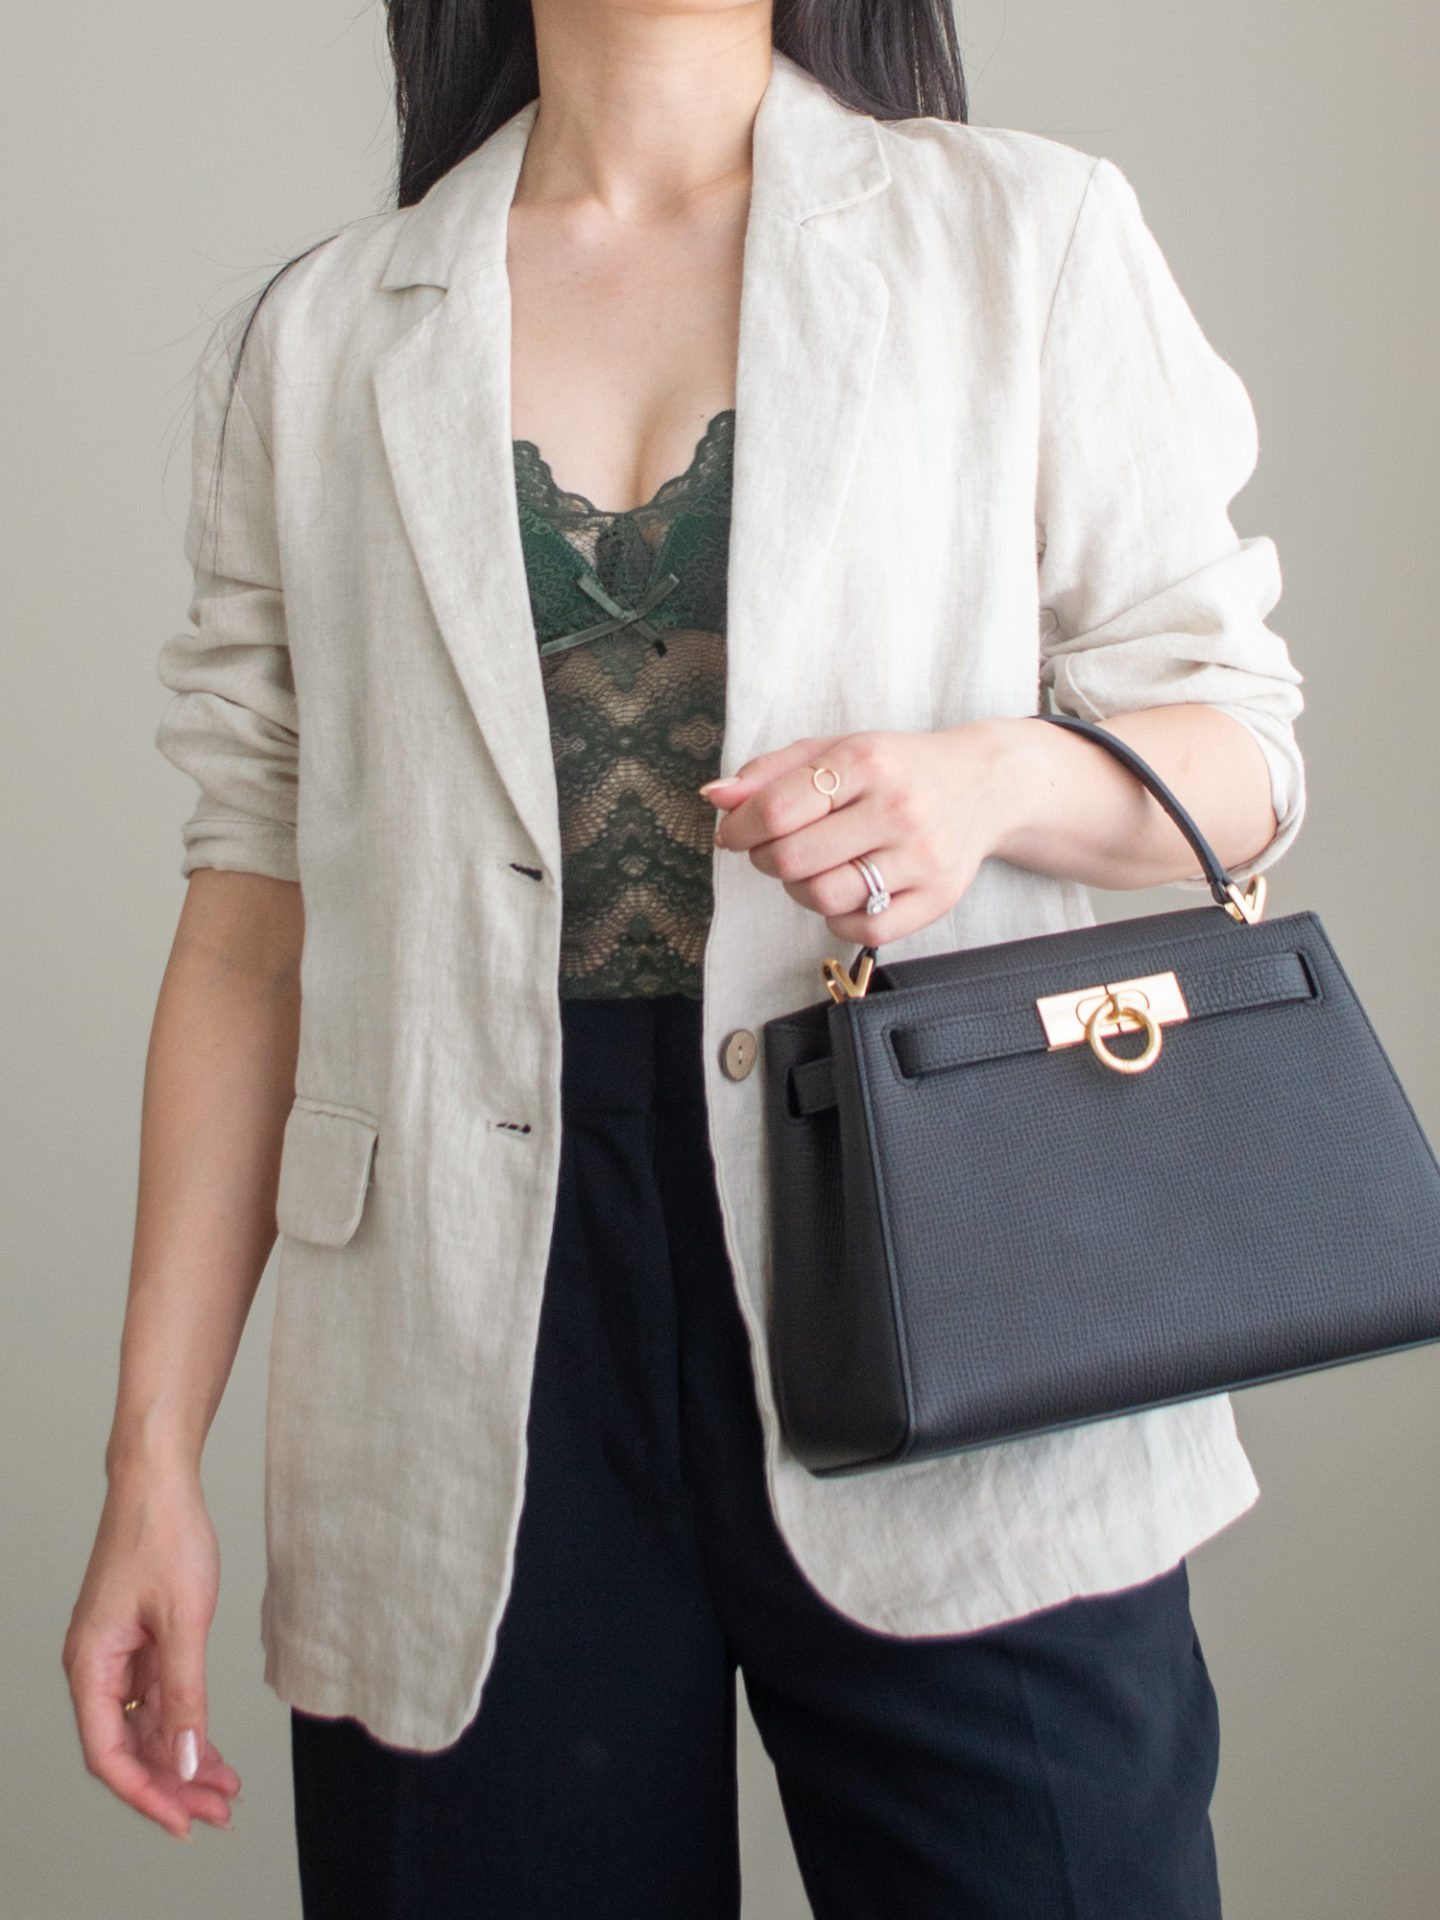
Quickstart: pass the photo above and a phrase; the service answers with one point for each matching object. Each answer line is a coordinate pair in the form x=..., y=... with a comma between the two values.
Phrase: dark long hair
x=464, y=67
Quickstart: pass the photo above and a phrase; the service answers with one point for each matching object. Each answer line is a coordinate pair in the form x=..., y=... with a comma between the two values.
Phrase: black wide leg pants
x=1057, y=1768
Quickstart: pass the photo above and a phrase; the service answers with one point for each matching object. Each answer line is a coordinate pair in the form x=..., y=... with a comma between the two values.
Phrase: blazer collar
x=812, y=319
x=811, y=156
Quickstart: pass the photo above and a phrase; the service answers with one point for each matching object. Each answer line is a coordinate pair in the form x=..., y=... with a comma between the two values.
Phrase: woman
x=894, y=422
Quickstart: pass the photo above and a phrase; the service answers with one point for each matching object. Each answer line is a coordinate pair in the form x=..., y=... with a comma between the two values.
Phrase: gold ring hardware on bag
x=1247, y=903
x=843, y=985
x=1096, y=1014
x=1116, y=1009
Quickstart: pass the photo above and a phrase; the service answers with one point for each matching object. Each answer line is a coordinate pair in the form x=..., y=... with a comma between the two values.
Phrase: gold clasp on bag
x=1117, y=1014
x=1096, y=1014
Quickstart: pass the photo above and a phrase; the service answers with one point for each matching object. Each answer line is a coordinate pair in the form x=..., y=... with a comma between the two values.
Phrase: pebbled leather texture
x=976, y=1238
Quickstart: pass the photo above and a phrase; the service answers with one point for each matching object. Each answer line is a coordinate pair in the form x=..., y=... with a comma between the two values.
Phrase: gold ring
x=830, y=774
x=132, y=1706
x=1121, y=1007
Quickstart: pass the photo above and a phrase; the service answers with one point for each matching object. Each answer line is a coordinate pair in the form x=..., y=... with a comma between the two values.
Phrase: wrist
x=1014, y=779
x=152, y=1451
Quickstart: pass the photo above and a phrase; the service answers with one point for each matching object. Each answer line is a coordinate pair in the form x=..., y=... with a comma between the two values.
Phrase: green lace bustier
x=630, y=615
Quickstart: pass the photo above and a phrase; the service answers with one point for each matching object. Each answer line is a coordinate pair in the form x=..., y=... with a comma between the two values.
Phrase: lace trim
x=540, y=492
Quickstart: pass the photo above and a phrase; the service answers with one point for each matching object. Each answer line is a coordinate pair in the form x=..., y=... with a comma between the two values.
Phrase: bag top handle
x=1245, y=904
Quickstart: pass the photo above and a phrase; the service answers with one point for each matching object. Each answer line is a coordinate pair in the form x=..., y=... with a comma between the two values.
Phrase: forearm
x=1063, y=807
x=219, y=1081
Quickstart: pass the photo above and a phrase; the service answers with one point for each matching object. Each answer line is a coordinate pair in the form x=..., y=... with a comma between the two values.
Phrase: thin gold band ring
x=829, y=774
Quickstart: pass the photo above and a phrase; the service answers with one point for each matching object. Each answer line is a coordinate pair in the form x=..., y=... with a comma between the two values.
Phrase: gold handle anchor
x=844, y=985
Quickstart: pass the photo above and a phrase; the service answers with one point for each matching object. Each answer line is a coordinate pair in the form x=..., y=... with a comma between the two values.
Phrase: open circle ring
x=879, y=893
x=819, y=776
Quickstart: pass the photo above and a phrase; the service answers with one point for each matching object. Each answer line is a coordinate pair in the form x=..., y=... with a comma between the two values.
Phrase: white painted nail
x=187, y=1754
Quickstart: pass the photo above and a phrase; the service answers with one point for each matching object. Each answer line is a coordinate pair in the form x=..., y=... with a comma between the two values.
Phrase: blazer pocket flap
x=324, y=1173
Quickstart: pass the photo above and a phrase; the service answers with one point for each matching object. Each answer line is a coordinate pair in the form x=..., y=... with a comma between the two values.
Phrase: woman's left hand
x=923, y=808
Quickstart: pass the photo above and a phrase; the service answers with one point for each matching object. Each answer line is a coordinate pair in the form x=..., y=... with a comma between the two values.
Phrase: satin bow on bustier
x=620, y=617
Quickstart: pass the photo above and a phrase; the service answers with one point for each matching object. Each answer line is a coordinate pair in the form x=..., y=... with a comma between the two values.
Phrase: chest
x=623, y=340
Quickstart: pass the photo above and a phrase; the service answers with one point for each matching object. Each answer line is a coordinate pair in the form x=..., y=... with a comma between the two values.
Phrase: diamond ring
x=879, y=893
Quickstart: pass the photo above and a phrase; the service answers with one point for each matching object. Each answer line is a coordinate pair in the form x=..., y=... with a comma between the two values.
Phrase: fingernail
x=730, y=780
x=187, y=1754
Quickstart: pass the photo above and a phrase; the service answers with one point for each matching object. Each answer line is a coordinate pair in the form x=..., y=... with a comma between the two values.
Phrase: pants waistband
x=632, y=1056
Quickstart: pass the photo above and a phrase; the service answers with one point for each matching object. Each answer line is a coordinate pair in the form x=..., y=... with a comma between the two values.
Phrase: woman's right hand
x=219, y=1082
x=138, y=1632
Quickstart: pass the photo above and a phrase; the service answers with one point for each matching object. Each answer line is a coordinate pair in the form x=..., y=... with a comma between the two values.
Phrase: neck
x=640, y=110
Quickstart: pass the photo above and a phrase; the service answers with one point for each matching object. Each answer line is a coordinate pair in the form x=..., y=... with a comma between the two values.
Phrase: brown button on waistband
x=739, y=1054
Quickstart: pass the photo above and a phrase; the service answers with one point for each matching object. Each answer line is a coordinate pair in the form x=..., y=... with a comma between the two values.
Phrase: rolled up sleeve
x=232, y=723
x=1148, y=595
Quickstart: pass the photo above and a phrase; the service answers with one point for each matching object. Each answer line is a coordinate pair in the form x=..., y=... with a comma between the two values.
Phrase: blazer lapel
x=811, y=324
x=444, y=400
x=812, y=316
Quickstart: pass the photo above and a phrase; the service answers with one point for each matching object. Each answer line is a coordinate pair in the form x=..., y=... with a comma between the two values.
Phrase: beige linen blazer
x=983, y=460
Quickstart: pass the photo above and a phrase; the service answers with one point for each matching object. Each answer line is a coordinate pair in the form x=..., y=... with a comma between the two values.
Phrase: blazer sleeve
x=232, y=723
x=1148, y=596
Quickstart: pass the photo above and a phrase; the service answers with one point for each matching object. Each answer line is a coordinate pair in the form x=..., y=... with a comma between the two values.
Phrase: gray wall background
x=157, y=159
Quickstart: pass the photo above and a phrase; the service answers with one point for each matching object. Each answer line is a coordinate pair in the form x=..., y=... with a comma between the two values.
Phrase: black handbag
x=1029, y=1185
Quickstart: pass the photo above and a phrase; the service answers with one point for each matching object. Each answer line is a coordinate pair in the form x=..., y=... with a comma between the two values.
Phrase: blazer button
x=739, y=1054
